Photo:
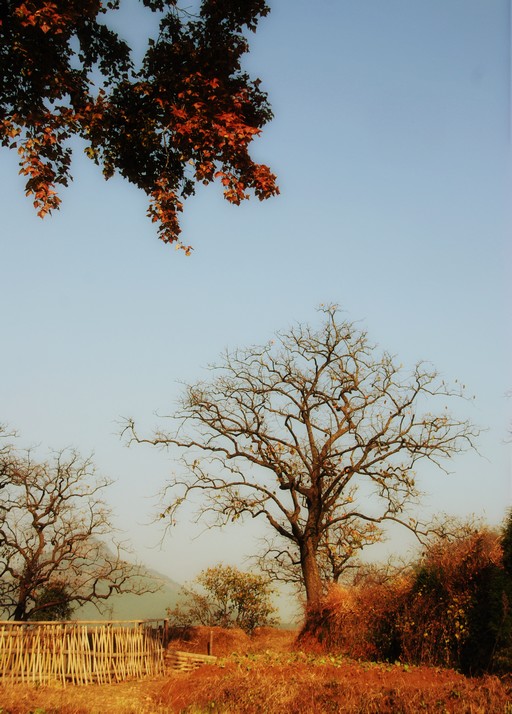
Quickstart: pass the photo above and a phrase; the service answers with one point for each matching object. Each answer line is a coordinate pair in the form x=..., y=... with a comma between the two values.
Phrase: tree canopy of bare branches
x=317, y=432
x=52, y=522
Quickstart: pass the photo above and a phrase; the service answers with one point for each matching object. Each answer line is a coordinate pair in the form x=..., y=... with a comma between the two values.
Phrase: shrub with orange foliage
x=451, y=608
x=438, y=616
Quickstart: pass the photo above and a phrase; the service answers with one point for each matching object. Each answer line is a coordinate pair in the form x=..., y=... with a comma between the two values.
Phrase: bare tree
x=315, y=432
x=52, y=522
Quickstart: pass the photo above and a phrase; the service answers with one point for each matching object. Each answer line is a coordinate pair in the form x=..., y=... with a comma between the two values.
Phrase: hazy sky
x=391, y=141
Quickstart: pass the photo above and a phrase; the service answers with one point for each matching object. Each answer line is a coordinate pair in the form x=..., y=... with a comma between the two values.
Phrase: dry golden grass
x=196, y=639
x=227, y=641
x=267, y=677
x=251, y=686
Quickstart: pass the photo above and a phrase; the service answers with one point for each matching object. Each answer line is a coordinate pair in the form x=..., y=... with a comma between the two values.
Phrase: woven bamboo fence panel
x=187, y=661
x=79, y=652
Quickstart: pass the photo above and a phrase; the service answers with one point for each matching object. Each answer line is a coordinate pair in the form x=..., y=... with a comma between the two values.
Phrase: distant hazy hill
x=134, y=607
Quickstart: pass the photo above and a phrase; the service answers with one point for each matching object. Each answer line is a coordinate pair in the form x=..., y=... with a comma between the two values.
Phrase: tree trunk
x=311, y=575
x=311, y=631
x=20, y=611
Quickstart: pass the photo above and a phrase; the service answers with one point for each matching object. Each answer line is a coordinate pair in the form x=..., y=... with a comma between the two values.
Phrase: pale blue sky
x=391, y=140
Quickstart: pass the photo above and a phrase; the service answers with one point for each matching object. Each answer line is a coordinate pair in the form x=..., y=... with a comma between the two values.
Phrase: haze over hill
x=133, y=607
x=152, y=606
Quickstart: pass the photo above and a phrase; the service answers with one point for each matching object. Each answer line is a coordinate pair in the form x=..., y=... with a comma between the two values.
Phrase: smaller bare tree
x=53, y=520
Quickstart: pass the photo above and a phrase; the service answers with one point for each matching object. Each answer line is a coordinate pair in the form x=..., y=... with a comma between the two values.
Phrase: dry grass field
x=265, y=674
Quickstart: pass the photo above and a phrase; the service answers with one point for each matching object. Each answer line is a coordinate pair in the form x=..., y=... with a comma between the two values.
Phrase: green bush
x=228, y=598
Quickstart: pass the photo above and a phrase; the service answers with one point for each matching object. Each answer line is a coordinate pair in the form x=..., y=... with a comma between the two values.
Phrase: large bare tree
x=53, y=525
x=318, y=433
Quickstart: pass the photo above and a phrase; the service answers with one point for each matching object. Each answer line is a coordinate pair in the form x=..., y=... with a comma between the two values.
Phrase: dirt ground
x=267, y=674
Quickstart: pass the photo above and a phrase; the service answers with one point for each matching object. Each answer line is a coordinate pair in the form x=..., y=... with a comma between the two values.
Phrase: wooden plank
x=187, y=661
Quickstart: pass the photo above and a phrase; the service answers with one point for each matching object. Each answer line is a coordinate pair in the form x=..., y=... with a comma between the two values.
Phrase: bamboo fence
x=81, y=652
x=187, y=661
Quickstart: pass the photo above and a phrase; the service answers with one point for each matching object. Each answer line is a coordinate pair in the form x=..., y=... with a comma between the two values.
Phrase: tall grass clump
x=356, y=619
